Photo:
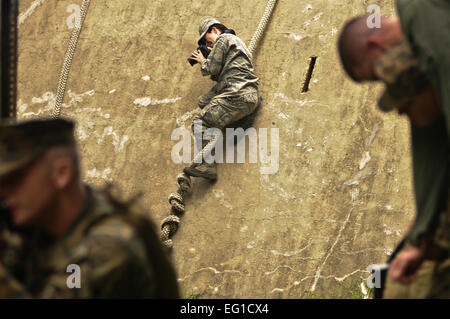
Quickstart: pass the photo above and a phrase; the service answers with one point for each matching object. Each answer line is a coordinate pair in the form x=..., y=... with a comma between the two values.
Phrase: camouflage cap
x=204, y=26
x=399, y=70
x=23, y=141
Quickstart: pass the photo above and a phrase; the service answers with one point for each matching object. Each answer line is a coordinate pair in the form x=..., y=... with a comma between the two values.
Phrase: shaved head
x=352, y=43
x=68, y=152
x=359, y=45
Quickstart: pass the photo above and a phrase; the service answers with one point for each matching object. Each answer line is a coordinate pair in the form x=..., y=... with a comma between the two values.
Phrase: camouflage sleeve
x=11, y=252
x=111, y=263
x=10, y=287
x=118, y=265
x=114, y=267
x=214, y=63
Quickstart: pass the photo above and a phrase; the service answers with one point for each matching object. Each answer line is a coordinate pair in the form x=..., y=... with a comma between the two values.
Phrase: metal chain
x=68, y=58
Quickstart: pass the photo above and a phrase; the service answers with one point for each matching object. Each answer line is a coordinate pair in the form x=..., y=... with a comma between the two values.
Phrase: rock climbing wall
x=342, y=193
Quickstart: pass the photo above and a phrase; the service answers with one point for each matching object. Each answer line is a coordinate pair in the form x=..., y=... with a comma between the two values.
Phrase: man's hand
x=423, y=108
x=404, y=267
x=198, y=56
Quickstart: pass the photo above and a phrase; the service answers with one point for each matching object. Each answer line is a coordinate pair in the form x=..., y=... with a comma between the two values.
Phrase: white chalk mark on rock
x=94, y=173
x=277, y=290
x=218, y=193
x=282, y=266
x=307, y=8
x=74, y=97
x=359, y=177
x=288, y=100
x=213, y=270
x=181, y=121
x=317, y=16
x=146, y=101
x=346, y=276
x=22, y=17
x=330, y=251
x=388, y=231
x=50, y=99
x=289, y=253
x=118, y=142
x=293, y=36
x=364, y=291
x=283, y=115
x=265, y=182
x=21, y=107
x=93, y=110
x=366, y=159
x=354, y=193
x=368, y=142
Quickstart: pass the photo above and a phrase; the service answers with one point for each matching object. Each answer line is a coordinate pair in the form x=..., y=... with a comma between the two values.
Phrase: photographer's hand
x=198, y=56
x=404, y=267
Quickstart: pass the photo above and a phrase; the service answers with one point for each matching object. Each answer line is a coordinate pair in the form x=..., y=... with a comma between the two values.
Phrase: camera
x=204, y=50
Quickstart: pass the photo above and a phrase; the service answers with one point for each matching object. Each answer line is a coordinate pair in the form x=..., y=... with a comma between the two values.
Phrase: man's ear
x=375, y=42
x=63, y=172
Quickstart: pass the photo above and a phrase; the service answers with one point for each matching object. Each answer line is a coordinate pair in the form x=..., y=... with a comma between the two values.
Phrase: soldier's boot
x=203, y=169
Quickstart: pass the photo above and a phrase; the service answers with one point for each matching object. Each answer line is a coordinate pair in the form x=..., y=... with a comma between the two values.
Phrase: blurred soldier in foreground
x=411, y=55
x=64, y=239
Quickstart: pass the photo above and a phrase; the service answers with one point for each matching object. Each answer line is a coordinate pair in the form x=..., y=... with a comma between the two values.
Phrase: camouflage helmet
x=399, y=70
x=23, y=141
x=204, y=26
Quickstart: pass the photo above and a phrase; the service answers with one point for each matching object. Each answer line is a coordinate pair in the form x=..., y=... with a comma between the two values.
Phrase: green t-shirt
x=426, y=25
x=430, y=174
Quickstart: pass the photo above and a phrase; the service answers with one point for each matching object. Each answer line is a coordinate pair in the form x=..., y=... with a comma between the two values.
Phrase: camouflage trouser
x=418, y=289
x=440, y=286
x=433, y=281
x=206, y=98
x=219, y=111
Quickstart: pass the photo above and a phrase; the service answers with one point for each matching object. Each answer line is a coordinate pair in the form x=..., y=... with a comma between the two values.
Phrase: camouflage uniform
x=426, y=26
x=440, y=285
x=113, y=243
x=421, y=60
x=235, y=95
